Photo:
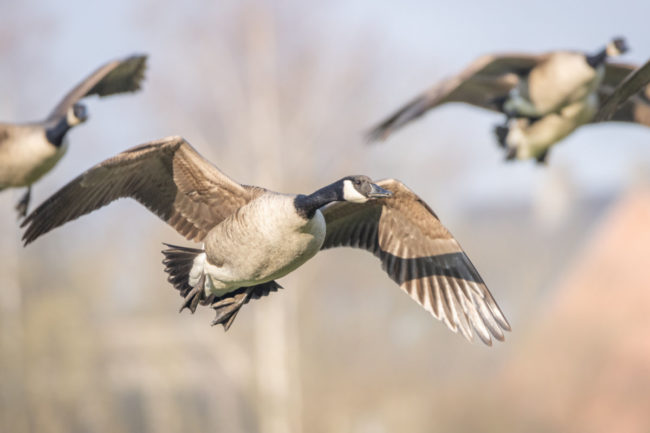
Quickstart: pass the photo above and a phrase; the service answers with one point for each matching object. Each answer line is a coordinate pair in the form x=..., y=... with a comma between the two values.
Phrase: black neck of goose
x=56, y=133
x=307, y=205
x=597, y=59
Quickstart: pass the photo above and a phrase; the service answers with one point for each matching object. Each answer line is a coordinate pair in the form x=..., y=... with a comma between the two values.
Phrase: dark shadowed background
x=279, y=94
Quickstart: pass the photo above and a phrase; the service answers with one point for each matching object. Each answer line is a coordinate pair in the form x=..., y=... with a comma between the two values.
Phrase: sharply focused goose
x=29, y=150
x=252, y=236
x=566, y=86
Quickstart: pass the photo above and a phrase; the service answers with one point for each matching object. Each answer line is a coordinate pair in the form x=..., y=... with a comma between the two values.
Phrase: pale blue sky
x=413, y=44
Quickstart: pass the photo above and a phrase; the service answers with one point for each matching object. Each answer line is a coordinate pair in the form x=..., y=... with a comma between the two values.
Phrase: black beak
x=621, y=44
x=378, y=192
x=80, y=112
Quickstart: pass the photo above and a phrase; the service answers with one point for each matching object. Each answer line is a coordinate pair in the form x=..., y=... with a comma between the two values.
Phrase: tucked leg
x=228, y=308
x=229, y=305
x=23, y=204
x=501, y=132
x=511, y=154
x=542, y=158
x=194, y=296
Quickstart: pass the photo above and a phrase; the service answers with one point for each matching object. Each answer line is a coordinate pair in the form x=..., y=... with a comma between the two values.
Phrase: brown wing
x=420, y=255
x=615, y=73
x=636, y=110
x=167, y=176
x=118, y=76
x=629, y=101
x=487, y=80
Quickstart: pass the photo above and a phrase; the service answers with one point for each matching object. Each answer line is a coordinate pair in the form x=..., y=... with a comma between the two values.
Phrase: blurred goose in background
x=544, y=97
x=630, y=101
x=29, y=150
x=252, y=236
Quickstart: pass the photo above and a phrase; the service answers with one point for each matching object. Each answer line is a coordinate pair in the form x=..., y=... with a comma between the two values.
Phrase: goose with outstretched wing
x=30, y=150
x=544, y=97
x=253, y=236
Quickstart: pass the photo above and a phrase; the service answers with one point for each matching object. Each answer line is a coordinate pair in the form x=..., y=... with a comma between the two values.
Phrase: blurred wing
x=636, y=110
x=420, y=255
x=118, y=76
x=167, y=176
x=629, y=101
x=615, y=73
x=483, y=83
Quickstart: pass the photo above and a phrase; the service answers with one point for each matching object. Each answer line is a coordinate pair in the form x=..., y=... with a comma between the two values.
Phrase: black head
x=56, y=131
x=617, y=47
x=77, y=114
x=355, y=189
x=360, y=189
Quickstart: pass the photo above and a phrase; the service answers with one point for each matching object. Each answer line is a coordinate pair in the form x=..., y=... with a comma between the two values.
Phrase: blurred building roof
x=586, y=367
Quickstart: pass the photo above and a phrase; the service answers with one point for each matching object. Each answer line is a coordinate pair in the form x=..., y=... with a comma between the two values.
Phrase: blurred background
x=279, y=94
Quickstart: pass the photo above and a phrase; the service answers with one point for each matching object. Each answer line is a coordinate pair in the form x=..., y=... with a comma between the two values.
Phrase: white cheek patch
x=71, y=118
x=612, y=50
x=351, y=194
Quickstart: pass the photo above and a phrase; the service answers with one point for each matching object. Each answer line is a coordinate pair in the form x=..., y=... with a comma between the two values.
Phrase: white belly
x=26, y=156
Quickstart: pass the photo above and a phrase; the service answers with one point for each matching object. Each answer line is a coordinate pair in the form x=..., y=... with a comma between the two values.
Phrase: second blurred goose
x=566, y=86
x=629, y=102
x=30, y=150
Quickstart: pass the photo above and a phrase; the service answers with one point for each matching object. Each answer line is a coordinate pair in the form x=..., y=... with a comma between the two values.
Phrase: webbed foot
x=228, y=308
x=542, y=158
x=194, y=296
x=511, y=154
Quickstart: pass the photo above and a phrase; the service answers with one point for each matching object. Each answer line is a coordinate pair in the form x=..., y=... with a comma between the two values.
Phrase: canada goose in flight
x=545, y=97
x=629, y=101
x=29, y=150
x=252, y=236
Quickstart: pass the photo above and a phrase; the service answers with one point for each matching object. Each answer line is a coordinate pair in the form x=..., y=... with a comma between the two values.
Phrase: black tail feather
x=178, y=263
x=501, y=132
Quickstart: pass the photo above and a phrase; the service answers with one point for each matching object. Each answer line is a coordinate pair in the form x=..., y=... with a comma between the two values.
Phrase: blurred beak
x=622, y=46
x=378, y=192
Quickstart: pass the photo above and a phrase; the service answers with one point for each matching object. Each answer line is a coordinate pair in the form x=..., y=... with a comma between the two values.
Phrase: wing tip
x=28, y=235
x=376, y=135
x=27, y=239
x=139, y=56
x=132, y=74
x=172, y=138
